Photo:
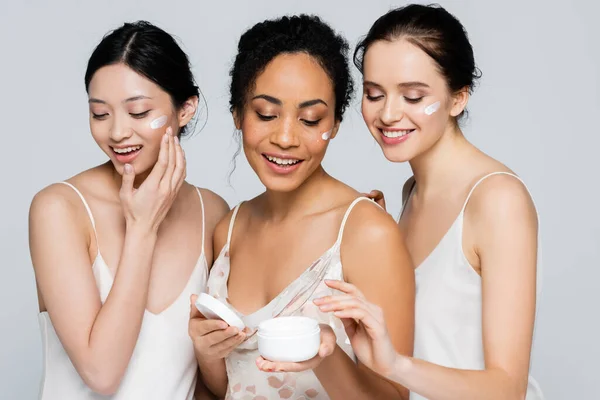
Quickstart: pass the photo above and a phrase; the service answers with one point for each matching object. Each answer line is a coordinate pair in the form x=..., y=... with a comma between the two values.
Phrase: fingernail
x=128, y=168
x=176, y=140
x=165, y=138
x=169, y=131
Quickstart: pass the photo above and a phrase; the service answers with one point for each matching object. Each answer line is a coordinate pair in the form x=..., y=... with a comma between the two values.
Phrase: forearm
x=440, y=383
x=116, y=328
x=214, y=376
x=342, y=378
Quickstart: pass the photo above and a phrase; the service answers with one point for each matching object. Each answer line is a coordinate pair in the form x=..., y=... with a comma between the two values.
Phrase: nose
x=120, y=129
x=392, y=111
x=286, y=134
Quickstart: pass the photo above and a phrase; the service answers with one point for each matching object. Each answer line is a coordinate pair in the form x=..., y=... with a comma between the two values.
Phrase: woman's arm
x=377, y=262
x=504, y=222
x=99, y=339
x=374, y=258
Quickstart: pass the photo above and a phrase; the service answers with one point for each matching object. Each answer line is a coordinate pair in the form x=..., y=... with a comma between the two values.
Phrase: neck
x=307, y=197
x=438, y=167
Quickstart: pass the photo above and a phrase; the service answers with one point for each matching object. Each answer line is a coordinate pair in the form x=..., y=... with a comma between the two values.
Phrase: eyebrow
x=130, y=99
x=409, y=85
x=276, y=101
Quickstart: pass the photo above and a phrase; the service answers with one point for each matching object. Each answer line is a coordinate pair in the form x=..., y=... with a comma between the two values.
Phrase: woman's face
x=129, y=114
x=288, y=120
x=406, y=102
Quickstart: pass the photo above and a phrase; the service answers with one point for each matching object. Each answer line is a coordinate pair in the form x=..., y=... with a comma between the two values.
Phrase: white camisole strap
x=203, y=217
x=89, y=211
x=484, y=178
x=230, y=232
x=343, y=225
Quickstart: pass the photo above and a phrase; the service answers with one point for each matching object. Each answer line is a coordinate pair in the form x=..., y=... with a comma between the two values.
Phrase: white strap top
x=245, y=380
x=448, y=305
x=163, y=364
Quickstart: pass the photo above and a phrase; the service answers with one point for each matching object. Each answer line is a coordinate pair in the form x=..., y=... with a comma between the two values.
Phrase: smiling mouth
x=126, y=150
x=282, y=162
x=396, y=133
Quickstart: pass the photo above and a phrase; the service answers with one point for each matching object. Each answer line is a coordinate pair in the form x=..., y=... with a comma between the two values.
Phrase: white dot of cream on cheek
x=430, y=109
x=158, y=122
x=326, y=135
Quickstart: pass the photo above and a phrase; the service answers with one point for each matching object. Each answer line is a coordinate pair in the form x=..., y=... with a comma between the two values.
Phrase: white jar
x=289, y=339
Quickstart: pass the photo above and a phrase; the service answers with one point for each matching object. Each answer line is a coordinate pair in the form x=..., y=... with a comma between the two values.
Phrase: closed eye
x=413, y=100
x=99, y=116
x=374, y=98
x=311, y=123
x=265, y=117
x=139, y=115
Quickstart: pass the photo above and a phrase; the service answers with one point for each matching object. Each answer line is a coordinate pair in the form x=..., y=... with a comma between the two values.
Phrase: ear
x=334, y=129
x=187, y=111
x=237, y=120
x=459, y=102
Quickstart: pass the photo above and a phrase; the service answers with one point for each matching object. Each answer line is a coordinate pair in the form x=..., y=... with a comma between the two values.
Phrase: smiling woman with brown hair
x=290, y=87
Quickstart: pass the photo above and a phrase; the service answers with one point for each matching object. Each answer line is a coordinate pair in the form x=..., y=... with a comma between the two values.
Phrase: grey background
x=536, y=110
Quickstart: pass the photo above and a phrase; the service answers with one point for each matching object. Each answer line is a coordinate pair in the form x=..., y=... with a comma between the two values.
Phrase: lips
x=282, y=164
x=395, y=136
x=126, y=154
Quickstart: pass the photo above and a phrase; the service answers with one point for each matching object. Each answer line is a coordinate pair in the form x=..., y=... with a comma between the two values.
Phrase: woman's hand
x=213, y=339
x=148, y=205
x=364, y=325
x=328, y=344
x=377, y=196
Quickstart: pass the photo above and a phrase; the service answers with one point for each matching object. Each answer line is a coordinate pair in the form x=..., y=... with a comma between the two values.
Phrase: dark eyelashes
x=408, y=99
x=307, y=122
x=134, y=115
x=265, y=117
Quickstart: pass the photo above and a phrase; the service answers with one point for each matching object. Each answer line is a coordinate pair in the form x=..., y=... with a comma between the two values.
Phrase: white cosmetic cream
x=158, y=122
x=289, y=339
x=326, y=135
x=430, y=109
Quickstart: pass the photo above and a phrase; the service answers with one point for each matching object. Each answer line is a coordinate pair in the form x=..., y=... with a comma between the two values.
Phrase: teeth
x=282, y=161
x=395, y=134
x=127, y=149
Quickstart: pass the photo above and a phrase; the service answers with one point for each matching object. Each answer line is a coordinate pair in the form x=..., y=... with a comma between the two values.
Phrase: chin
x=281, y=184
x=396, y=156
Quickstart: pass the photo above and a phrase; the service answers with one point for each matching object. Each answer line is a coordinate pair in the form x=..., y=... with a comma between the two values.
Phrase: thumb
x=127, y=180
x=194, y=313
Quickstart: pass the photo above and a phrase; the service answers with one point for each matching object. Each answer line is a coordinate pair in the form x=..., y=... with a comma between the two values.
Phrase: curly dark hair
x=291, y=34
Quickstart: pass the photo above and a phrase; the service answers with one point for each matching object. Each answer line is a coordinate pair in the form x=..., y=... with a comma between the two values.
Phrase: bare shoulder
x=501, y=203
x=216, y=207
x=369, y=225
x=55, y=202
x=499, y=196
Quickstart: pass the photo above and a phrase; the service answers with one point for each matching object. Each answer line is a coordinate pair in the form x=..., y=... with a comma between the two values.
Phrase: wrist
x=140, y=230
x=401, y=367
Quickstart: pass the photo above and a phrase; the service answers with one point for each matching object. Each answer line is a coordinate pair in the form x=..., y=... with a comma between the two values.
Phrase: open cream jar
x=289, y=339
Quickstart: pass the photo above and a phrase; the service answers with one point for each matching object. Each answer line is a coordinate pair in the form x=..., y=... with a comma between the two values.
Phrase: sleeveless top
x=448, y=304
x=245, y=380
x=163, y=364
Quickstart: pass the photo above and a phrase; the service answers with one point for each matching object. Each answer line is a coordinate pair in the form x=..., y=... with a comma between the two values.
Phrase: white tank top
x=448, y=306
x=245, y=380
x=163, y=365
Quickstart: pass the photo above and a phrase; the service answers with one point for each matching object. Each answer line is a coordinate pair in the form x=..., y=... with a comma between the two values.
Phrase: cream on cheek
x=430, y=109
x=158, y=122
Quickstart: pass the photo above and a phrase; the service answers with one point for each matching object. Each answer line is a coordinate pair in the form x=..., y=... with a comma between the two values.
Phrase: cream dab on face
x=158, y=122
x=430, y=109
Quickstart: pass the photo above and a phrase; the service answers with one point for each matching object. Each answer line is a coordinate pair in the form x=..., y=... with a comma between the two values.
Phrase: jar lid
x=288, y=326
x=212, y=308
